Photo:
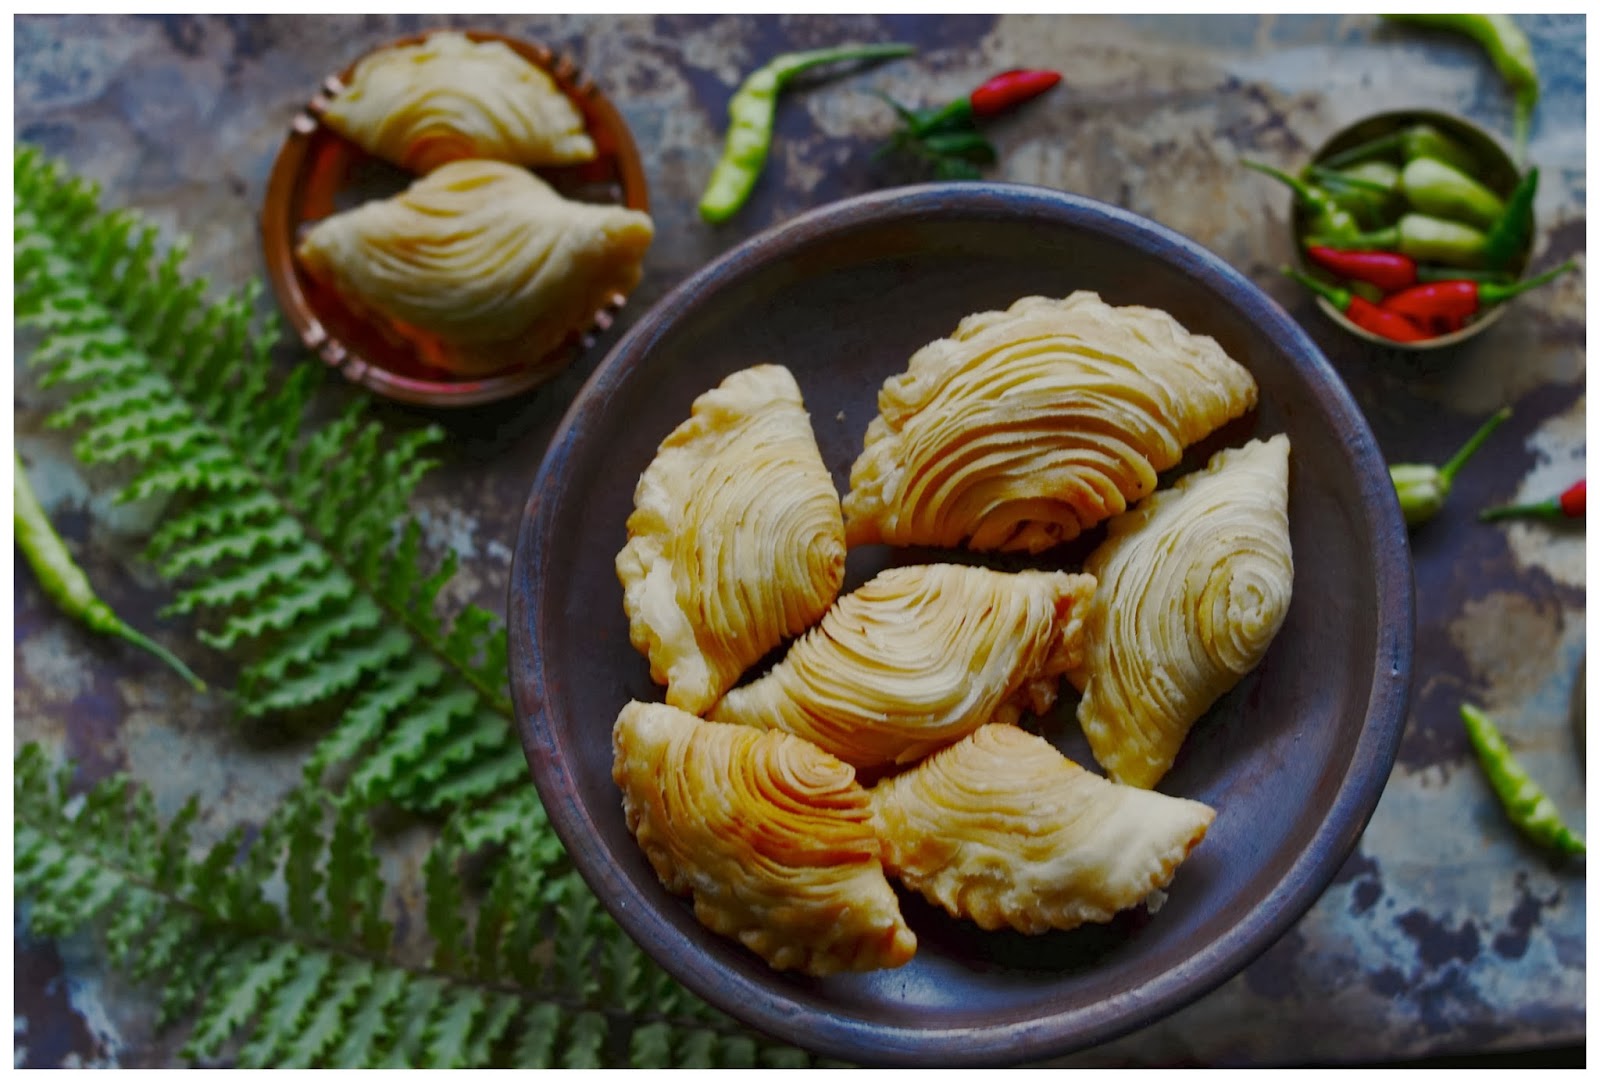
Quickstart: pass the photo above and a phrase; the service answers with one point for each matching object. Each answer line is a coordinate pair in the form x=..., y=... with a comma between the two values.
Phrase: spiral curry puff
x=482, y=263
x=770, y=835
x=1002, y=829
x=449, y=98
x=1194, y=584
x=919, y=657
x=1028, y=426
x=735, y=542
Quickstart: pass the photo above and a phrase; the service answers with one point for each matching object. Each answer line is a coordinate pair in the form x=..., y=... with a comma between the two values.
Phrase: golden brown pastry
x=769, y=834
x=735, y=541
x=450, y=98
x=1028, y=426
x=919, y=657
x=483, y=257
x=1004, y=830
x=1194, y=585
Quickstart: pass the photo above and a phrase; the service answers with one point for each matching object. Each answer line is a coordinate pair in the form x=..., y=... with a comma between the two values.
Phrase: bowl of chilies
x=1414, y=228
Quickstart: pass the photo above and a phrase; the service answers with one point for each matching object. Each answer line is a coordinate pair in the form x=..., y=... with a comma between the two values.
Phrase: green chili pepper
x=1529, y=807
x=1420, y=236
x=65, y=582
x=1328, y=216
x=1413, y=141
x=1369, y=190
x=1434, y=188
x=1423, y=488
x=1509, y=235
x=751, y=113
x=1510, y=50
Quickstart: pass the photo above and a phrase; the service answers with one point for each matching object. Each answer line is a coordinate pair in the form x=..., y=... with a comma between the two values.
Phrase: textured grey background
x=1444, y=933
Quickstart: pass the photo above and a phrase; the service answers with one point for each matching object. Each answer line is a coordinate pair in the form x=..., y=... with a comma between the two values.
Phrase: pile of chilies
x=1417, y=245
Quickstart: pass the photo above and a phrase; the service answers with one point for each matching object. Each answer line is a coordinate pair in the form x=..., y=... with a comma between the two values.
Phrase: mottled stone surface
x=1444, y=933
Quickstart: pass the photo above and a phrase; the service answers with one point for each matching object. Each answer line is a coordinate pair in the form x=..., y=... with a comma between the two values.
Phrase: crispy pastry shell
x=1004, y=830
x=769, y=834
x=484, y=259
x=919, y=657
x=1028, y=426
x=1194, y=584
x=735, y=541
x=450, y=98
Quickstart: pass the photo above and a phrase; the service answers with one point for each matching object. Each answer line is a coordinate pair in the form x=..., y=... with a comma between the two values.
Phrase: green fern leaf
x=237, y=994
x=585, y=1041
x=367, y=1029
x=536, y=1046
x=349, y=984
x=282, y=1020
x=282, y=532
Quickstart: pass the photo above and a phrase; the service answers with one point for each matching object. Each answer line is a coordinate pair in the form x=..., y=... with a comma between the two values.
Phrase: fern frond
x=316, y=980
x=292, y=544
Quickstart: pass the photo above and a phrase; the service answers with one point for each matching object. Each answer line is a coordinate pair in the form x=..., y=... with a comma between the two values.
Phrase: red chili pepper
x=1459, y=298
x=1569, y=505
x=1362, y=312
x=1386, y=270
x=1010, y=89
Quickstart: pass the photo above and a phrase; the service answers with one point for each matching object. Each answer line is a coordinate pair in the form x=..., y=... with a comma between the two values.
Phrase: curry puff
x=735, y=542
x=769, y=834
x=449, y=98
x=1004, y=830
x=487, y=261
x=1028, y=426
x=919, y=657
x=1193, y=585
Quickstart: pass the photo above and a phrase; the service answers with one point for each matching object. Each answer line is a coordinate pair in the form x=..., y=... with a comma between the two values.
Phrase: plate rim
x=850, y=1037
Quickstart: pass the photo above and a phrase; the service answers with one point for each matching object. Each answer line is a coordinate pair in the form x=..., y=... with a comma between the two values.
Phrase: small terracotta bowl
x=319, y=172
x=1498, y=173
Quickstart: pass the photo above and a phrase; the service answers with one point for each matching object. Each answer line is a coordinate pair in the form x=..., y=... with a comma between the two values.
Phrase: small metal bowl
x=319, y=172
x=1498, y=173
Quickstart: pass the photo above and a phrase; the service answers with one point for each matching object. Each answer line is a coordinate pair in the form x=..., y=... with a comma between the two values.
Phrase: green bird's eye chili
x=1456, y=300
x=1509, y=235
x=1423, y=489
x=1413, y=141
x=1510, y=51
x=1420, y=236
x=1569, y=505
x=1434, y=188
x=1362, y=312
x=65, y=583
x=1328, y=215
x=1526, y=803
x=751, y=113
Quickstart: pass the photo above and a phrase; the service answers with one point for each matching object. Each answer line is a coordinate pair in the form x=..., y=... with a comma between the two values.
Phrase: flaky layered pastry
x=1194, y=584
x=484, y=258
x=450, y=98
x=919, y=657
x=1004, y=830
x=1028, y=426
x=769, y=834
x=735, y=542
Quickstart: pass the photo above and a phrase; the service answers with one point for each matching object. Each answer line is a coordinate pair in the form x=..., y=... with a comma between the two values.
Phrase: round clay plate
x=1293, y=759
x=318, y=172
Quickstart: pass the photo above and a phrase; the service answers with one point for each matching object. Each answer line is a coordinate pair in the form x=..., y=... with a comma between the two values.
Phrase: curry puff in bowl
x=455, y=217
x=960, y=626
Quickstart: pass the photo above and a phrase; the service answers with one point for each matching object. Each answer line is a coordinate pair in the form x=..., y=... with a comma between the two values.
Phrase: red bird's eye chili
x=1361, y=312
x=1569, y=505
x=1460, y=298
x=1386, y=270
x=947, y=136
x=1010, y=89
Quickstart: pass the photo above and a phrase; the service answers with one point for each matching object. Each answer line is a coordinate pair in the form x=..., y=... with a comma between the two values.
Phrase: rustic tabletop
x=1444, y=933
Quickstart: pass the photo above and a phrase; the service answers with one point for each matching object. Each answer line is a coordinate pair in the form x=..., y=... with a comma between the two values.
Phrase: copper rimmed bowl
x=1294, y=758
x=318, y=172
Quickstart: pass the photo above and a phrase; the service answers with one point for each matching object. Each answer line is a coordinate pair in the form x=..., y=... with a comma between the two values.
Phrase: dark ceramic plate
x=1294, y=758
